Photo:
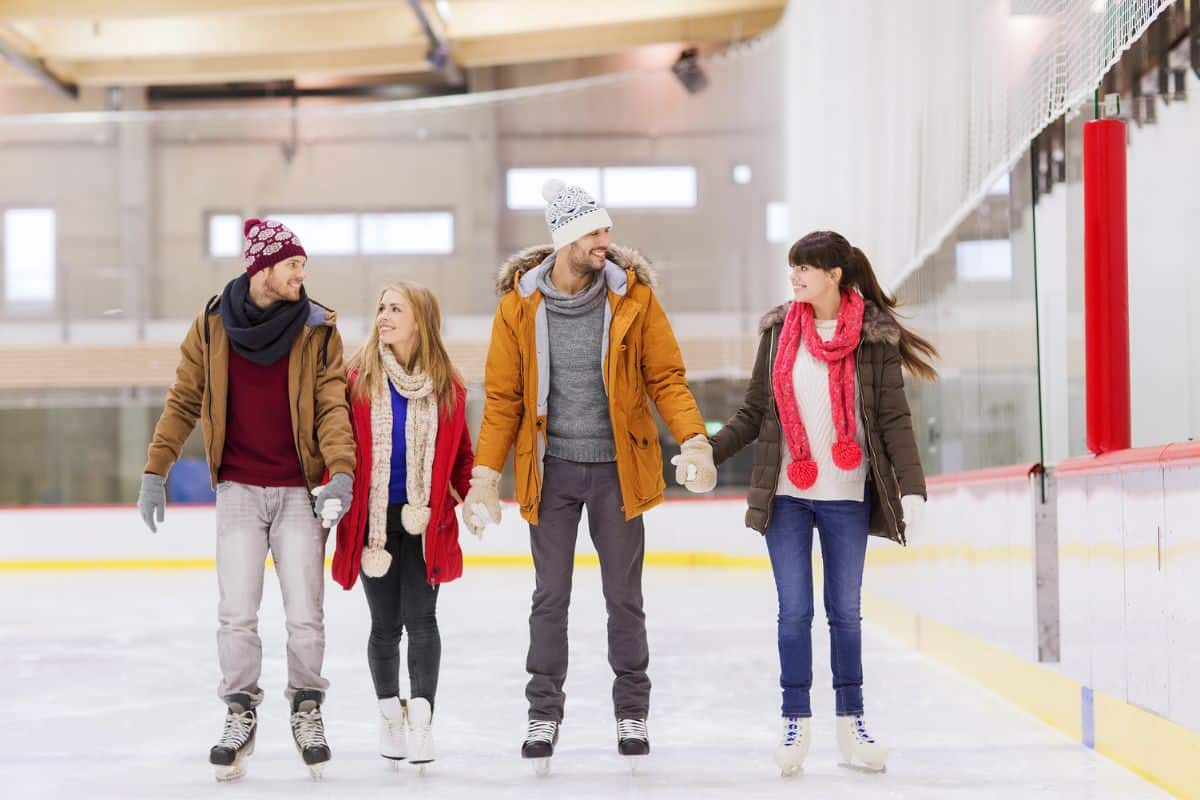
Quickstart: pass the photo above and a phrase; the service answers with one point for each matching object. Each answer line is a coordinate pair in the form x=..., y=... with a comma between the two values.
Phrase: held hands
x=694, y=466
x=481, y=506
x=333, y=499
x=152, y=500
x=913, y=506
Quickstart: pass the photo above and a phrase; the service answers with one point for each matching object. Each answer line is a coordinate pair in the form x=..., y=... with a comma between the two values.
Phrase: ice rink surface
x=110, y=679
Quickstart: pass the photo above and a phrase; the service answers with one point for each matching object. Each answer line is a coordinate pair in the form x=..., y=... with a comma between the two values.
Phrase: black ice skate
x=540, y=738
x=309, y=731
x=228, y=756
x=632, y=739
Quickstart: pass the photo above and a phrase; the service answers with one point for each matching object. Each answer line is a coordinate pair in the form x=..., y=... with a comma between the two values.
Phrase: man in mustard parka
x=579, y=343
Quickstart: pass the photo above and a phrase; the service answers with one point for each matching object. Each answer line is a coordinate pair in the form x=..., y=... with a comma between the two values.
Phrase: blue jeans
x=843, y=528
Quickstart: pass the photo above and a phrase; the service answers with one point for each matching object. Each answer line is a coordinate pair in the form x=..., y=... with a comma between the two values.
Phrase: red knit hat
x=267, y=243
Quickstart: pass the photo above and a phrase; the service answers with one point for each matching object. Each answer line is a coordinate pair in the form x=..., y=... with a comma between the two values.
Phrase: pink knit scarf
x=838, y=354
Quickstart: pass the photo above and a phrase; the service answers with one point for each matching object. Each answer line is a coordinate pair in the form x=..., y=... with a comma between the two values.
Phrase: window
x=777, y=222
x=346, y=234
x=29, y=255
x=613, y=187
x=407, y=233
x=323, y=234
x=225, y=235
x=524, y=189
x=650, y=187
x=984, y=260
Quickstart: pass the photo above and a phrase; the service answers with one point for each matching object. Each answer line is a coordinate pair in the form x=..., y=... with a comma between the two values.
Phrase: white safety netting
x=902, y=114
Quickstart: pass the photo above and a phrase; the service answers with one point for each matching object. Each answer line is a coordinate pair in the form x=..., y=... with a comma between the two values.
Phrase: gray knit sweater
x=578, y=425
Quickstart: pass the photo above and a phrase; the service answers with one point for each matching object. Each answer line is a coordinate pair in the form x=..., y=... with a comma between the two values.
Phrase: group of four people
x=299, y=443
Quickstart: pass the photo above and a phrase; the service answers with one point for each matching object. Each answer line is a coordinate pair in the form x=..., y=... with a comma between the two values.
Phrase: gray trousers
x=567, y=487
x=252, y=520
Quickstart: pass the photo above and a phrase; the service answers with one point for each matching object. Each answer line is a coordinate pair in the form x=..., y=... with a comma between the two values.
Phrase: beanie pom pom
x=375, y=563
x=802, y=473
x=551, y=188
x=250, y=224
x=847, y=455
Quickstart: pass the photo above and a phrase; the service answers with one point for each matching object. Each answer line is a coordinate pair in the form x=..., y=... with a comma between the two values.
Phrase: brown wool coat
x=893, y=459
x=641, y=362
x=316, y=396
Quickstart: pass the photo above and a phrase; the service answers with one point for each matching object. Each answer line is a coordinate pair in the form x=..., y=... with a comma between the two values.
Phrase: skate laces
x=540, y=731
x=860, y=731
x=308, y=728
x=390, y=725
x=237, y=729
x=632, y=729
x=791, y=731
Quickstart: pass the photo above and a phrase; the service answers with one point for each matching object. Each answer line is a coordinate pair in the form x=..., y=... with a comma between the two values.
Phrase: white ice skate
x=228, y=756
x=540, y=738
x=420, y=733
x=793, y=745
x=393, y=724
x=859, y=748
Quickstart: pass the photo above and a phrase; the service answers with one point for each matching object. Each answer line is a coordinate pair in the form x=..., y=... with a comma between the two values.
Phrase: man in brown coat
x=261, y=368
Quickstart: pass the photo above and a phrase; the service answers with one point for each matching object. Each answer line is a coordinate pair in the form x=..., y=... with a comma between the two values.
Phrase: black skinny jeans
x=402, y=599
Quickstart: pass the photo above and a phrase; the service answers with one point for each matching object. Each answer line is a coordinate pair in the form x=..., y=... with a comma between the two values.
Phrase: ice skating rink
x=110, y=678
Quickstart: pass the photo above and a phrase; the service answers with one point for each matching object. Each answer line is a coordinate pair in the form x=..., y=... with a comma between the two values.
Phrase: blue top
x=398, y=485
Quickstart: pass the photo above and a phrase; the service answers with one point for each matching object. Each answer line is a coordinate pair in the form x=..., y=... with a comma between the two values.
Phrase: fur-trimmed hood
x=877, y=326
x=530, y=258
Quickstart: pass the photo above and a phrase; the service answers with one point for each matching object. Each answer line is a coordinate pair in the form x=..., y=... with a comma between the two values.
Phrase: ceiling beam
x=19, y=53
x=82, y=40
x=516, y=48
x=404, y=59
x=166, y=9
x=477, y=18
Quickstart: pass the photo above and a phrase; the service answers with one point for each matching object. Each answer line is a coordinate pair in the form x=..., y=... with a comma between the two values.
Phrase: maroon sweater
x=259, y=447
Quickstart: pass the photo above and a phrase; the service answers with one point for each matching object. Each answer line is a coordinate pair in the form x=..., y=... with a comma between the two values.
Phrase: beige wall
x=110, y=177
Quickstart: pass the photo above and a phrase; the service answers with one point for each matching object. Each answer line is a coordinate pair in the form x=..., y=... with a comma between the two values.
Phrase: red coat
x=452, y=462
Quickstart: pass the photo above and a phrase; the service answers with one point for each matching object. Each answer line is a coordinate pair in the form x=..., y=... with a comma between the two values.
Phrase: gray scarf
x=572, y=305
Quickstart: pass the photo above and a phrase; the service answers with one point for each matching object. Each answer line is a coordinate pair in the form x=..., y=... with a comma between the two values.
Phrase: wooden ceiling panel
x=113, y=42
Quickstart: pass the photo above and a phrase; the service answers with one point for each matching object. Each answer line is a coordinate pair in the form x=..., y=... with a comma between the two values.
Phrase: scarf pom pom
x=847, y=455
x=415, y=519
x=802, y=473
x=375, y=563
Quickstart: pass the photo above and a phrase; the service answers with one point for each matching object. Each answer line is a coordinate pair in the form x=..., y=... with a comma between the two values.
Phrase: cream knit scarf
x=420, y=438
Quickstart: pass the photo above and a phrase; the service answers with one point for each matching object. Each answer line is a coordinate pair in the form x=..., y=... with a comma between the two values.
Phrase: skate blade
x=228, y=774
x=864, y=768
x=541, y=766
x=636, y=763
x=316, y=772
x=790, y=772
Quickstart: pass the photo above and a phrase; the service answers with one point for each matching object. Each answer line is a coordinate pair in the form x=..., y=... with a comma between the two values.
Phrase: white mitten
x=481, y=506
x=694, y=466
x=913, y=506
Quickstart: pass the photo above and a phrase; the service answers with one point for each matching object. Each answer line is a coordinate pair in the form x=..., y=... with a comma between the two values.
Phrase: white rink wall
x=1129, y=577
x=971, y=566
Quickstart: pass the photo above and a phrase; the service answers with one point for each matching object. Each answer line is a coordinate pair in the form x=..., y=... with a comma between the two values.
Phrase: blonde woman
x=413, y=463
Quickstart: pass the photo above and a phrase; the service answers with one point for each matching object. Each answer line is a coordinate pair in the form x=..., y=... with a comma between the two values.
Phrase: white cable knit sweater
x=810, y=376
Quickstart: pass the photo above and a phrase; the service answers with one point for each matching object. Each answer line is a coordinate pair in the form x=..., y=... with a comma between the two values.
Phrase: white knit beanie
x=572, y=213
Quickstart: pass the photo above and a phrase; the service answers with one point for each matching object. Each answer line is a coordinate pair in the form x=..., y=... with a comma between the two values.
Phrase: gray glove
x=152, y=500
x=332, y=500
